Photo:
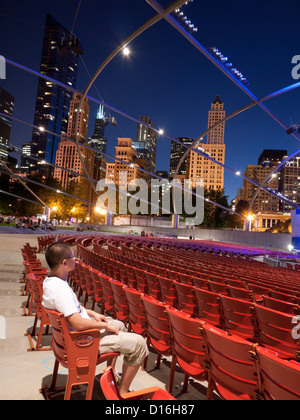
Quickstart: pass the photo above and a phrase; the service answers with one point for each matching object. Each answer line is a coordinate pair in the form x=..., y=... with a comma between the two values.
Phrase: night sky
x=165, y=76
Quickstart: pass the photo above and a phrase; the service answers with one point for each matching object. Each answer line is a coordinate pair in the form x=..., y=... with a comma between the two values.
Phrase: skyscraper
x=7, y=102
x=67, y=155
x=199, y=166
x=60, y=54
x=177, y=152
x=146, y=142
x=98, y=140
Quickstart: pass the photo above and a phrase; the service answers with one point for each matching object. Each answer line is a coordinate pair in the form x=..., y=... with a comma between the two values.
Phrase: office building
x=199, y=166
x=67, y=155
x=126, y=153
x=7, y=102
x=146, y=142
x=60, y=55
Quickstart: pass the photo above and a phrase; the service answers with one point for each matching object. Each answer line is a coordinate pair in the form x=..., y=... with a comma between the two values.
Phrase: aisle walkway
x=22, y=373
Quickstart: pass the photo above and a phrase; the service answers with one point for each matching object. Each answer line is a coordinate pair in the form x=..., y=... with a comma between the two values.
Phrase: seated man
x=58, y=296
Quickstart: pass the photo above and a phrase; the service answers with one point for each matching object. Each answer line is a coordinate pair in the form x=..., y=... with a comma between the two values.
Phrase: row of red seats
x=265, y=273
x=202, y=350
x=160, y=285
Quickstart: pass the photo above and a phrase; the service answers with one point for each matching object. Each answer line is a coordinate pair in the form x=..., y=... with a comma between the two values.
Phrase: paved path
x=22, y=373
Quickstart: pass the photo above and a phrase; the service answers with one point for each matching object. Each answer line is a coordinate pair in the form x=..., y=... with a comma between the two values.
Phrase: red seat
x=217, y=287
x=111, y=391
x=40, y=314
x=120, y=301
x=98, y=290
x=186, y=298
x=232, y=371
x=108, y=297
x=188, y=349
x=208, y=306
x=153, y=285
x=76, y=351
x=168, y=291
x=140, y=280
x=273, y=330
x=280, y=379
x=281, y=306
x=136, y=311
x=239, y=293
x=237, y=317
x=158, y=330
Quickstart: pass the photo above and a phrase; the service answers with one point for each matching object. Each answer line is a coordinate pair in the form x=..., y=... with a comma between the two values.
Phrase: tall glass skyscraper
x=60, y=55
x=146, y=142
x=7, y=102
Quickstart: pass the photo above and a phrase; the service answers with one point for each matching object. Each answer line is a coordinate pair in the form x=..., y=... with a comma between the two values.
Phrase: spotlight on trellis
x=229, y=66
x=180, y=16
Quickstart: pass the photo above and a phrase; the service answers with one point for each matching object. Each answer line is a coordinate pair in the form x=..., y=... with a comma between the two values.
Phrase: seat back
x=186, y=298
x=107, y=293
x=280, y=378
x=232, y=372
x=37, y=292
x=109, y=386
x=237, y=317
x=281, y=306
x=168, y=291
x=208, y=306
x=158, y=329
x=120, y=300
x=136, y=310
x=273, y=330
x=153, y=285
x=187, y=342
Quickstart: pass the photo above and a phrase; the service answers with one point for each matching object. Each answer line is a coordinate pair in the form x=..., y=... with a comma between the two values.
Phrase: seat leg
x=172, y=374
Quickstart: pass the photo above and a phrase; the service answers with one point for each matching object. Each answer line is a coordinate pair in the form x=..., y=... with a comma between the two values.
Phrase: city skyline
x=178, y=87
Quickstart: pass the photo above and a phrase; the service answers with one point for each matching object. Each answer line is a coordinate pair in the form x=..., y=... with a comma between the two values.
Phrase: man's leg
x=128, y=375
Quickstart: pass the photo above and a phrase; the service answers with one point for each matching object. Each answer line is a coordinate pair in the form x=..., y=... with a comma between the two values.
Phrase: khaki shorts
x=132, y=346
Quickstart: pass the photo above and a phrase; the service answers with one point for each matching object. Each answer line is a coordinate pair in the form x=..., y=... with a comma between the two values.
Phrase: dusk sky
x=165, y=76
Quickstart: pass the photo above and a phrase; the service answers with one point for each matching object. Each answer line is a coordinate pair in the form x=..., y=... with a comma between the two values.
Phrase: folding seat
x=238, y=293
x=217, y=279
x=157, y=325
x=153, y=285
x=217, y=287
x=280, y=379
x=98, y=291
x=140, y=280
x=282, y=296
x=89, y=287
x=40, y=315
x=111, y=391
x=186, y=298
x=200, y=283
x=273, y=330
x=168, y=291
x=137, y=317
x=188, y=348
x=172, y=275
x=281, y=306
x=185, y=279
x=258, y=291
x=108, y=297
x=208, y=306
x=78, y=352
x=232, y=373
x=236, y=283
x=237, y=317
x=120, y=301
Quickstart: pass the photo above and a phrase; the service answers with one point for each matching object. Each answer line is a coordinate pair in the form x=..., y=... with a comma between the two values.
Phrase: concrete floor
x=23, y=373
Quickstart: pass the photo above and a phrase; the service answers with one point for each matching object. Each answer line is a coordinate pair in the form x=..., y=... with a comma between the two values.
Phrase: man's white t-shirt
x=58, y=296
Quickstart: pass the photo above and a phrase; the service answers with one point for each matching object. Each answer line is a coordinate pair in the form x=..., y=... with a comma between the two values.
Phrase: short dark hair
x=56, y=253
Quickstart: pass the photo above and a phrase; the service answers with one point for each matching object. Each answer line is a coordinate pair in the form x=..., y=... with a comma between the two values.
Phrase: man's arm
x=81, y=324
